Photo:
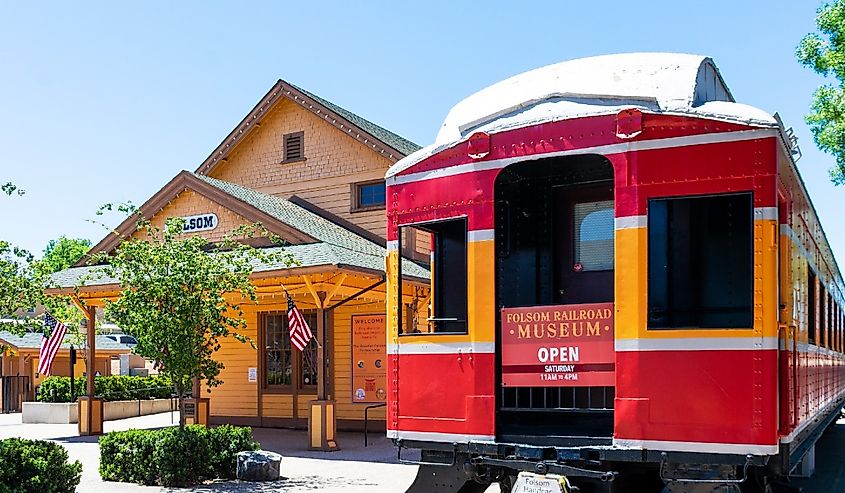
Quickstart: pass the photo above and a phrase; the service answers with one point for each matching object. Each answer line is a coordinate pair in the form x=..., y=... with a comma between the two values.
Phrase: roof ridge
x=407, y=146
x=308, y=220
x=380, y=140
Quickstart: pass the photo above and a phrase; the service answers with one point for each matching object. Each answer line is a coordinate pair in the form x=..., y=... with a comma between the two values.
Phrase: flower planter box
x=68, y=412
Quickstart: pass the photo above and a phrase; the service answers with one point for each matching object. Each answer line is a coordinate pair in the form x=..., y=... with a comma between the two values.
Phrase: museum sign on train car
x=562, y=345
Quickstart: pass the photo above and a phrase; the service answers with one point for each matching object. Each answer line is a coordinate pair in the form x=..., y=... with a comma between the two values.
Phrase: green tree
x=58, y=255
x=21, y=286
x=180, y=295
x=63, y=253
x=824, y=52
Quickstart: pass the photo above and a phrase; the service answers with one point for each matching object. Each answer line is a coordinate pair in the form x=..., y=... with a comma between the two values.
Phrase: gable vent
x=294, y=147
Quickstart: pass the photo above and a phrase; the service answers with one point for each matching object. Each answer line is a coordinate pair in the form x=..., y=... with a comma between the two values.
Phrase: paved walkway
x=354, y=469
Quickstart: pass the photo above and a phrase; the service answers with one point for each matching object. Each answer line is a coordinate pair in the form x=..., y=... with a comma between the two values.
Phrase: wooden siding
x=239, y=397
x=189, y=203
x=333, y=161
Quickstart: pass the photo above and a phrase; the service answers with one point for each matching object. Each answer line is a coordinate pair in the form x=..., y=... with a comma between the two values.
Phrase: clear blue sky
x=106, y=102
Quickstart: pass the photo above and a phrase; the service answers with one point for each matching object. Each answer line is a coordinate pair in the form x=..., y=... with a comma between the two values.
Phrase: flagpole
x=316, y=340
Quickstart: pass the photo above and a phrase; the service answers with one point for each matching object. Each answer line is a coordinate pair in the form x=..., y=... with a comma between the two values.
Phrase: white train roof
x=671, y=83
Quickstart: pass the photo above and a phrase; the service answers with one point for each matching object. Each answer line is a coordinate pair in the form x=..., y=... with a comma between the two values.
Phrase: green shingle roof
x=335, y=244
x=397, y=142
x=32, y=340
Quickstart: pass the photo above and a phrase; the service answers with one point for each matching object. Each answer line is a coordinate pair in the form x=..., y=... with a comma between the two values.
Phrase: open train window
x=822, y=316
x=811, y=306
x=700, y=262
x=442, y=306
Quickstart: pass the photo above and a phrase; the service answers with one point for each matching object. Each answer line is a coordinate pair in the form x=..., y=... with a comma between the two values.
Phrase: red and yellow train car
x=627, y=278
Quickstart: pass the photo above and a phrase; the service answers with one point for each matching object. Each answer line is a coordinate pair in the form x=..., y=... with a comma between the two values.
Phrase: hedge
x=110, y=388
x=36, y=466
x=173, y=456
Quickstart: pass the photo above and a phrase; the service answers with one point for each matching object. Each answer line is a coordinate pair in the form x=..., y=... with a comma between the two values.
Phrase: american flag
x=300, y=333
x=50, y=346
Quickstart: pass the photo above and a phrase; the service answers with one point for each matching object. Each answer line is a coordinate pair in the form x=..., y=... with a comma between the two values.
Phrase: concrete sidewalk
x=354, y=469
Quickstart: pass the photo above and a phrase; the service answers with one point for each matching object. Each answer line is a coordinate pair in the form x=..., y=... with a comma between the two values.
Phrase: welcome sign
x=558, y=346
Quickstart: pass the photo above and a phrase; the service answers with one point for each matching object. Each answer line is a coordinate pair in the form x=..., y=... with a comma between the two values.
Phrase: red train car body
x=627, y=275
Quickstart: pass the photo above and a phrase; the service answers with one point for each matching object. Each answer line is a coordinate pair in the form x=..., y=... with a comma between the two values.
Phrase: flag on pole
x=50, y=346
x=300, y=333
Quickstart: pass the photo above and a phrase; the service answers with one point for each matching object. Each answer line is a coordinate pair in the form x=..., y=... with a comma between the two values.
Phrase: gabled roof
x=317, y=241
x=204, y=187
x=32, y=340
x=377, y=138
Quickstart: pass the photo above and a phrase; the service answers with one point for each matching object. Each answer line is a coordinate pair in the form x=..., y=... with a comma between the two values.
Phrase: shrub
x=173, y=456
x=110, y=388
x=225, y=443
x=36, y=466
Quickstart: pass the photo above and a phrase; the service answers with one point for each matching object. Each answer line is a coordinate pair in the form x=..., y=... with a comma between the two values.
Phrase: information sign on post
x=558, y=346
x=369, y=359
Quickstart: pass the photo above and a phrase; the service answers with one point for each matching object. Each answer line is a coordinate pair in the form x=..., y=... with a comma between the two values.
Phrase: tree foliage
x=180, y=295
x=62, y=253
x=21, y=285
x=824, y=52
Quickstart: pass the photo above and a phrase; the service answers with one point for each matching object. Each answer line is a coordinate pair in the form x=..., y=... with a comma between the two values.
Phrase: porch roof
x=32, y=340
x=322, y=254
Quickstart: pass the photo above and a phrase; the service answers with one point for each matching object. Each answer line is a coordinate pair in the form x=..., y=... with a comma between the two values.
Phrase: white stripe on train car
x=698, y=344
x=481, y=235
x=641, y=145
x=630, y=222
x=765, y=213
x=702, y=447
x=442, y=348
x=439, y=437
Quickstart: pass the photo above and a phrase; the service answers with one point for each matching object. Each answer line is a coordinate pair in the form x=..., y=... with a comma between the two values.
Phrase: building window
x=368, y=195
x=441, y=306
x=700, y=262
x=284, y=365
x=294, y=147
x=594, y=235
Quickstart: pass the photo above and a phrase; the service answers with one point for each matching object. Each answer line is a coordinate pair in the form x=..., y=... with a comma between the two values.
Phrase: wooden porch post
x=321, y=416
x=321, y=354
x=90, y=407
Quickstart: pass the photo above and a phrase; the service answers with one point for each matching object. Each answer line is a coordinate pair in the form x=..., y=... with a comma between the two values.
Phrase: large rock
x=259, y=465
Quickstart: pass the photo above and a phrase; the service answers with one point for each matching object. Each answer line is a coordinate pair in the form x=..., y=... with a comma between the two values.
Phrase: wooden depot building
x=312, y=173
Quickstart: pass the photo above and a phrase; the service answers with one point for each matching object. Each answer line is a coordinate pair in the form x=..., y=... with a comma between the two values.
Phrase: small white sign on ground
x=527, y=482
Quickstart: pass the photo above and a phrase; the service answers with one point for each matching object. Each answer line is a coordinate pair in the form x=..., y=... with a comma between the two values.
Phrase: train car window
x=594, y=235
x=700, y=262
x=811, y=306
x=822, y=339
x=440, y=307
